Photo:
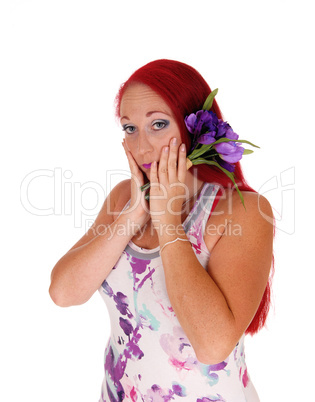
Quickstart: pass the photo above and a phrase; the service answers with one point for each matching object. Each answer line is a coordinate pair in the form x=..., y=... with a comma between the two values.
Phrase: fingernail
x=166, y=149
x=182, y=147
x=174, y=141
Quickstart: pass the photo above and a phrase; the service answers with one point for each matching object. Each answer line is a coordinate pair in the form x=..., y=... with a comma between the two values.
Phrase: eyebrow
x=156, y=111
x=148, y=114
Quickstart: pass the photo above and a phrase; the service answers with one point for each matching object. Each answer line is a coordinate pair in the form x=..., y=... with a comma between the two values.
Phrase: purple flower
x=201, y=122
x=206, y=129
x=229, y=133
x=229, y=151
x=225, y=130
x=208, y=138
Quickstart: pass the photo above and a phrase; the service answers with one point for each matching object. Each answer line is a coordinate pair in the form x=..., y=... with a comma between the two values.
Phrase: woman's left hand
x=168, y=189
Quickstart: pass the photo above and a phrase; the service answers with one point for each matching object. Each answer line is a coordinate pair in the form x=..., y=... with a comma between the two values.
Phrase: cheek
x=130, y=144
x=132, y=147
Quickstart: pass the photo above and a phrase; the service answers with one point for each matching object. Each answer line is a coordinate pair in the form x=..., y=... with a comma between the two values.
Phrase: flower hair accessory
x=213, y=143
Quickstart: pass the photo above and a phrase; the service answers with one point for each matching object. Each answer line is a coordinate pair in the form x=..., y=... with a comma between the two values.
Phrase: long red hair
x=185, y=90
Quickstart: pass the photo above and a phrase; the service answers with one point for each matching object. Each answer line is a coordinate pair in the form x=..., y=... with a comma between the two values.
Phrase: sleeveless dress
x=148, y=356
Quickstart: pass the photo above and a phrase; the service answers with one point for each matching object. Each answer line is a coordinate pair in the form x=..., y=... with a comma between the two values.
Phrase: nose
x=144, y=144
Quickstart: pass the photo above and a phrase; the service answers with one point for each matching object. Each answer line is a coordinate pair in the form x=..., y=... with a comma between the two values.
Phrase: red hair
x=185, y=90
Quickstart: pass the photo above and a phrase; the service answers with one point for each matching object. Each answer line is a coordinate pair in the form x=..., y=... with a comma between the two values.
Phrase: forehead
x=140, y=98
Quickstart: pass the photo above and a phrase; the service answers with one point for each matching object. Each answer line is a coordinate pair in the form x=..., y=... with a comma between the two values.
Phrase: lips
x=147, y=165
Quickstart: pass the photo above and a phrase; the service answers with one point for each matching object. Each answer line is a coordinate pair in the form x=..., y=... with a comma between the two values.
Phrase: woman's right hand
x=81, y=271
x=139, y=209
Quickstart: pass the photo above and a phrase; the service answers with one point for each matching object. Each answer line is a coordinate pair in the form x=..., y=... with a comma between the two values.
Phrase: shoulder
x=256, y=211
x=256, y=206
x=112, y=206
x=115, y=201
x=244, y=243
x=249, y=222
x=120, y=195
x=255, y=216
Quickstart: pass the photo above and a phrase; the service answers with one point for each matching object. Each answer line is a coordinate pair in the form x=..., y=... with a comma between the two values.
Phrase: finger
x=154, y=173
x=163, y=166
x=172, y=161
x=154, y=181
x=182, y=170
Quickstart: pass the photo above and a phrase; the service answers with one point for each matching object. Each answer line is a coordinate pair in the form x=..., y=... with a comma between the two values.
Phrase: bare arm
x=81, y=271
x=215, y=306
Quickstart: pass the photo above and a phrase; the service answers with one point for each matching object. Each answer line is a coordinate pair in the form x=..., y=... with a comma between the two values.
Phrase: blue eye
x=129, y=129
x=160, y=124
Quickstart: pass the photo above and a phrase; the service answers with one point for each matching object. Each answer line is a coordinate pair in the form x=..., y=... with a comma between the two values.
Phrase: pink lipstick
x=147, y=165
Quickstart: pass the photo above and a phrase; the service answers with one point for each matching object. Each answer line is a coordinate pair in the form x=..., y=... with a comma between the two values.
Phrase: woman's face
x=148, y=123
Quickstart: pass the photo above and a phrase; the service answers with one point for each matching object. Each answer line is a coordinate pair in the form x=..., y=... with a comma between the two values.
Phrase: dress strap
x=216, y=200
x=196, y=223
x=205, y=204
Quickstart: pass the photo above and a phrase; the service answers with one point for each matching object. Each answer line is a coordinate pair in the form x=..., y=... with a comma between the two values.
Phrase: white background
x=61, y=65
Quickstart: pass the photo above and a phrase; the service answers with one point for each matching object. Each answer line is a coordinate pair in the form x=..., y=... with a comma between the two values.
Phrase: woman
x=185, y=274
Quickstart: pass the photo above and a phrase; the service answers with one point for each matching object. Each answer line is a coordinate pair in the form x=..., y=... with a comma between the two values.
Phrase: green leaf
x=209, y=101
x=247, y=151
x=199, y=151
x=145, y=186
x=229, y=174
x=196, y=153
x=247, y=142
x=229, y=140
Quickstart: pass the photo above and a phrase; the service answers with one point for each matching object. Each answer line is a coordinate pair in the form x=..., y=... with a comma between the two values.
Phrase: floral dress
x=148, y=356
